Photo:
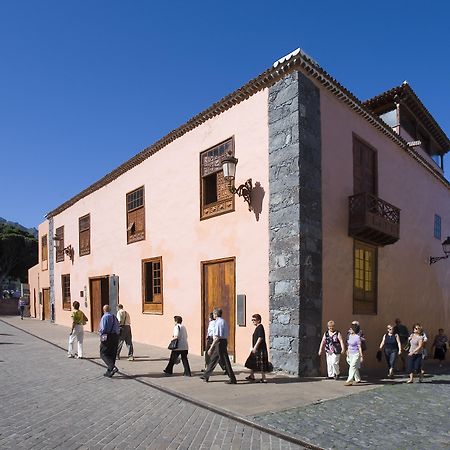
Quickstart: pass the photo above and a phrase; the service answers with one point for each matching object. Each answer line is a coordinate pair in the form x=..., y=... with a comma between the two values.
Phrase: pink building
x=348, y=202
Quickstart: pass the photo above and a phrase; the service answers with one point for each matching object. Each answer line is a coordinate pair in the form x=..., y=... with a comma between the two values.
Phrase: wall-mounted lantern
x=446, y=250
x=229, y=163
x=69, y=251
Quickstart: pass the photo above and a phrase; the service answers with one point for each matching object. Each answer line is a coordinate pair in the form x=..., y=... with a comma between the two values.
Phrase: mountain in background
x=32, y=231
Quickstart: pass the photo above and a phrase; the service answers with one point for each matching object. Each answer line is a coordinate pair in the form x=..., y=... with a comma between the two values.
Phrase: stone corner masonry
x=295, y=225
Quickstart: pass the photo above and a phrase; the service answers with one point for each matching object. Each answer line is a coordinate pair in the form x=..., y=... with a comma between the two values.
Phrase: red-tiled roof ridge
x=406, y=93
x=297, y=60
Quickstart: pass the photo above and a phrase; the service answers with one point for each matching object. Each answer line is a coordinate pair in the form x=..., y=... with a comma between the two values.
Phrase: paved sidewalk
x=244, y=399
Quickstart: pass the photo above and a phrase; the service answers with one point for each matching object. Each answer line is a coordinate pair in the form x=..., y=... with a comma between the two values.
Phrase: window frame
x=153, y=307
x=66, y=300
x=59, y=233
x=131, y=225
x=220, y=206
x=437, y=226
x=44, y=252
x=360, y=303
x=83, y=252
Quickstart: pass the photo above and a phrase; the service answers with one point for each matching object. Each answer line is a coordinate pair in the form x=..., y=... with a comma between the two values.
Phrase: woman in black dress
x=258, y=360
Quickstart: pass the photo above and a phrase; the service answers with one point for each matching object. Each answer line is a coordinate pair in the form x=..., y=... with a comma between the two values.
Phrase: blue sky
x=85, y=85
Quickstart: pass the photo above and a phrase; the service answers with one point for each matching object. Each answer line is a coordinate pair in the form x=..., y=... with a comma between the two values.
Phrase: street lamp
x=446, y=250
x=229, y=163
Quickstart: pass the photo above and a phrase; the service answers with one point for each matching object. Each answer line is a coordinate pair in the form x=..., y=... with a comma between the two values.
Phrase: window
x=215, y=197
x=84, y=235
x=65, y=284
x=152, y=286
x=437, y=226
x=59, y=238
x=365, y=175
x=365, y=279
x=135, y=216
x=390, y=118
x=44, y=252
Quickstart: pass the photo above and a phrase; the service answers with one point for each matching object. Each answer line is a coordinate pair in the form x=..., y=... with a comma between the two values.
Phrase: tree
x=18, y=252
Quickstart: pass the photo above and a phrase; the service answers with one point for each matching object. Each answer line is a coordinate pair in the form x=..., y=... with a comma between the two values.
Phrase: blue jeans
x=414, y=363
x=391, y=357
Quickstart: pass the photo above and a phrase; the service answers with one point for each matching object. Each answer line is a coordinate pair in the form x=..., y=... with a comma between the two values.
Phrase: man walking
x=109, y=339
x=218, y=350
x=403, y=334
x=22, y=304
x=125, y=332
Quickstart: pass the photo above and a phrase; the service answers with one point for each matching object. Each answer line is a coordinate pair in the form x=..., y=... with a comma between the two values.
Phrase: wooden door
x=364, y=168
x=218, y=291
x=99, y=295
x=46, y=304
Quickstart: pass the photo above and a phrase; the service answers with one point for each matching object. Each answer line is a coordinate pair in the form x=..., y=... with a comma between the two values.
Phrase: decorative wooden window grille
x=65, y=284
x=44, y=252
x=437, y=226
x=84, y=235
x=216, y=199
x=152, y=286
x=135, y=216
x=59, y=242
x=365, y=279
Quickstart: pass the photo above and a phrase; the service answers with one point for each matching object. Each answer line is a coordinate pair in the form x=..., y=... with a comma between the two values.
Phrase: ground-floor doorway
x=46, y=308
x=218, y=290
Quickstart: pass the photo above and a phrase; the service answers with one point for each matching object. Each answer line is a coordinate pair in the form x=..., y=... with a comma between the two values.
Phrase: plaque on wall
x=240, y=310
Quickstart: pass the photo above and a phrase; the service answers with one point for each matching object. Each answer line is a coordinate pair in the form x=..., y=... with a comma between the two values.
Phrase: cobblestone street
x=50, y=401
x=396, y=416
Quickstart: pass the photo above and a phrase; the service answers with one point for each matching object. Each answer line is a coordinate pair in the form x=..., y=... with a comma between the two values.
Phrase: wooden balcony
x=373, y=220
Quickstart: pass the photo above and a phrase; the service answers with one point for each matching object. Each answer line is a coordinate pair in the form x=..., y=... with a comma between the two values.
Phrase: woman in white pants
x=334, y=346
x=354, y=355
x=77, y=332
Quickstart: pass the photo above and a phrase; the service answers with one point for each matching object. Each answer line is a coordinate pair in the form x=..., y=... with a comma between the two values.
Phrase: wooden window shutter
x=84, y=237
x=59, y=233
x=135, y=216
x=44, y=252
x=364, y=168
x=65, y=285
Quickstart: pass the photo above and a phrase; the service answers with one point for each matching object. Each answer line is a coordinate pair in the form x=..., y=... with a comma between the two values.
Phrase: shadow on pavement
x=10, y=343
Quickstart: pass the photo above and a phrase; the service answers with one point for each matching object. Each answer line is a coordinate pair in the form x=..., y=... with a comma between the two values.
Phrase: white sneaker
x=70, y=356
x=79, y=357
x=131, y=358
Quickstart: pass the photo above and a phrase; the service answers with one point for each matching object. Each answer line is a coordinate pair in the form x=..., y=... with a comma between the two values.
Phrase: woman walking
x=440, y=346
x=77, y=331
x=354, y=355
x=415, y=342
x=392, y=348
x=179, y=333
x=334, y=346
x=258, y=359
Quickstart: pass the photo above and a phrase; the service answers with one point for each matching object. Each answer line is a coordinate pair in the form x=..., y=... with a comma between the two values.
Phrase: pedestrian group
x=396, y=344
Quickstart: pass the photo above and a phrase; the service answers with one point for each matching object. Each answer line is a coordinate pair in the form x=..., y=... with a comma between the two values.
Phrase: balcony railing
x=373, y=220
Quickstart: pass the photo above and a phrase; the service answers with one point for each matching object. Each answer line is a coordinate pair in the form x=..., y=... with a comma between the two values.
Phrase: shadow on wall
x=258, y=194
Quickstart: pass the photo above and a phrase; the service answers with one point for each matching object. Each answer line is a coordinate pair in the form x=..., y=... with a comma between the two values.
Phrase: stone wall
x=295, y=215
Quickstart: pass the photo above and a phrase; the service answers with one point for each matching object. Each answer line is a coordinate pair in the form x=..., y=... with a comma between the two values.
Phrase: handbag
x=173, y=345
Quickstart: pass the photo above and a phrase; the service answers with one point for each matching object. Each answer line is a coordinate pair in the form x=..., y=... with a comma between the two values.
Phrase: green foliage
x=18, y=252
